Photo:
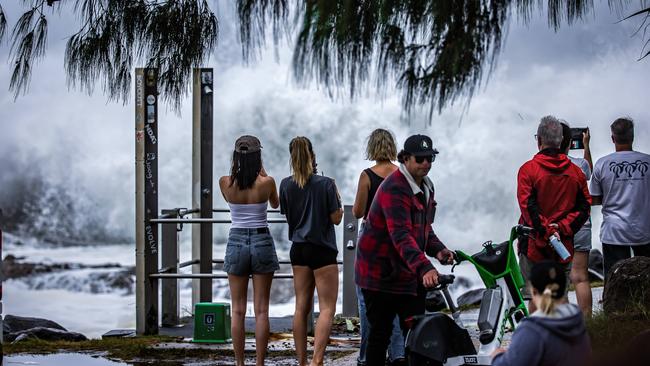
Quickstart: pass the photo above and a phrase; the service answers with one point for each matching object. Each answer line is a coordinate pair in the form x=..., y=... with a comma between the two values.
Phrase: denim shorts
x=582, y=240
x=250, y=251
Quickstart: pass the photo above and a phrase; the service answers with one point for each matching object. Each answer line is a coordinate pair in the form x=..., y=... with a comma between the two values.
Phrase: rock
x=434, y=301
x=627, y=288
x=15, y=324
x=13, y=267
x=471, y=297
x=595, y=266
x=45, y=334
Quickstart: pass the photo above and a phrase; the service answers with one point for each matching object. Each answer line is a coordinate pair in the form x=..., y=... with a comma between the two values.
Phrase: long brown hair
x=245, y=168
x=303, y=160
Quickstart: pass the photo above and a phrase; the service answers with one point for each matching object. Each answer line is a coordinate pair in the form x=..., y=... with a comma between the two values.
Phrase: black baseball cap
x=419, y=145
x=247, y=144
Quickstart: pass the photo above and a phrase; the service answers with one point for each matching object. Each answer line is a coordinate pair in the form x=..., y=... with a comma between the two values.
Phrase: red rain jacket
x=551, y=189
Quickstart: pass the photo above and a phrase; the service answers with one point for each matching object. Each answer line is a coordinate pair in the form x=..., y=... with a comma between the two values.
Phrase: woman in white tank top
x=250, y=250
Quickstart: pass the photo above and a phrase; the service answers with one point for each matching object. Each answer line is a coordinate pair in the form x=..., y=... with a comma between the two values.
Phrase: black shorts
x=312, y=255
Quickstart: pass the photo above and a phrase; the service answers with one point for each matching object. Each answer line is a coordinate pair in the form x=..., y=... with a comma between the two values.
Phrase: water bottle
x=560, y=249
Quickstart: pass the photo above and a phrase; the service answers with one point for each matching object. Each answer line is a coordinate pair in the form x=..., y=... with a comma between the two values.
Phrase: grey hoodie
x=557, y=339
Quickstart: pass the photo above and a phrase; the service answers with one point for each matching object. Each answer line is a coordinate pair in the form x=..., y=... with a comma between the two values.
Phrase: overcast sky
x=587, y=74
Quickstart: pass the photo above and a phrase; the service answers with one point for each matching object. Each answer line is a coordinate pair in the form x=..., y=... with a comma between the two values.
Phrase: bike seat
x=496, y=260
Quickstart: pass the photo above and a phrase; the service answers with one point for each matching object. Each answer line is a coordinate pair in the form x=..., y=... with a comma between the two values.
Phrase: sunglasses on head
x=430, y=158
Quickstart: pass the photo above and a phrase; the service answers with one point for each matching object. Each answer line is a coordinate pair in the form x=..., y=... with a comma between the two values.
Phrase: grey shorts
x=526, y=265
x=250, y=251
x=582, y=240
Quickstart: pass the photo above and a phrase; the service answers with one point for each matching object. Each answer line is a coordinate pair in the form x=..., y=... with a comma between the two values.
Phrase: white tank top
x=248, y=215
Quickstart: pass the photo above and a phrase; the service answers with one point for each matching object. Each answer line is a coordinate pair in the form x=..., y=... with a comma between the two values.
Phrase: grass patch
x=123, y=348
x=594, y=284
x=141, y=349
x=607, y=332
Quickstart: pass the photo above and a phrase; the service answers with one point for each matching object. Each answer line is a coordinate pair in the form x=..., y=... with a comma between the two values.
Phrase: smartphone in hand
x=576, y=138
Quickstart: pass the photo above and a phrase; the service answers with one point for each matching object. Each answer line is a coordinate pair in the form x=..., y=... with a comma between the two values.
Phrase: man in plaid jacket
x=392, y=267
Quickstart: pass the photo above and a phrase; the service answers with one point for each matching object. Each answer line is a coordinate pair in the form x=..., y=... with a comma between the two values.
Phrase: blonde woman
x=555, y=334
x=250, y=250
x=312, y=206
x=382, y=150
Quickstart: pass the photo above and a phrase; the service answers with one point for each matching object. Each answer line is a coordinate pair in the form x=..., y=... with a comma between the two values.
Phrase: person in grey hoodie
x=555, y=334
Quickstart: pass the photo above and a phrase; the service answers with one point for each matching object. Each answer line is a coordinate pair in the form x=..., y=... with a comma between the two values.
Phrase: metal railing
x=171, y=222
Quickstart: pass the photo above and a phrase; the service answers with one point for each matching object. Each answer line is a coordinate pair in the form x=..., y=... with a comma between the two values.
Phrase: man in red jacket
x=553, y=198
x=392, y=267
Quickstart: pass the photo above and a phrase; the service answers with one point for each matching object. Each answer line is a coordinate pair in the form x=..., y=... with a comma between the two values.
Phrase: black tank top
x=375, y=181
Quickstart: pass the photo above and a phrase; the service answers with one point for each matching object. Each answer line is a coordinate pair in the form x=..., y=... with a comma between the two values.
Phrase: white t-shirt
x=583, y=164
x=623, y=180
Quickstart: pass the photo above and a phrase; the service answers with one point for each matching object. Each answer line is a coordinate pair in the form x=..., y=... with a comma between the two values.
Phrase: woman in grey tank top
x=250, y=249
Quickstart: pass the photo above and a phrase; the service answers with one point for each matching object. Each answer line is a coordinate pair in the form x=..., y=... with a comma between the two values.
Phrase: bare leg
x=261, y=295
x=580, y=279
x=238, y=292
x=327, y=285
x=303, y=282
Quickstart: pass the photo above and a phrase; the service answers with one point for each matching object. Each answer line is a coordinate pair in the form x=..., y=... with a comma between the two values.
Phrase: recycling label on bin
x=208, y=318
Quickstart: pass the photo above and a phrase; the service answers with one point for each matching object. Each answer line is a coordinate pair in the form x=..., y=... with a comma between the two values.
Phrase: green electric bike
x=436, y=339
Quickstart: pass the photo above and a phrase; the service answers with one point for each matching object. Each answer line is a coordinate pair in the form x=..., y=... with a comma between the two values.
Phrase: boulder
x=627, y=288
x=595, y=266
x=471, y=297
x=15, y=324
x=15, y=267
x=45, y=334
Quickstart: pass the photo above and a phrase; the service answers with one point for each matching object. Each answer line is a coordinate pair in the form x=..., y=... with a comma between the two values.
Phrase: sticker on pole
x=151, y=114
x=151, y=99
x=206, y=77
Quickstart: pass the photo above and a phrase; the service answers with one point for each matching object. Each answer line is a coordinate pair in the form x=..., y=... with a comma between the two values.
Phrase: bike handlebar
x=523, y=230
x=443, y=281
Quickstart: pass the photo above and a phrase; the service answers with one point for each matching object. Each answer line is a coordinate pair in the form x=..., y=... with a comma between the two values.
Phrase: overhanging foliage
x=433, y=52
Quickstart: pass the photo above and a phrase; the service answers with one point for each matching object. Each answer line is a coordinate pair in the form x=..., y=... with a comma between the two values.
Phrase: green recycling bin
x=212, y=323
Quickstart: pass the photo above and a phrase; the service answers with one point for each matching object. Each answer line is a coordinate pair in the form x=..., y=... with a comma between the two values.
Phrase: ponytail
x=547, y=305
x=302, y=160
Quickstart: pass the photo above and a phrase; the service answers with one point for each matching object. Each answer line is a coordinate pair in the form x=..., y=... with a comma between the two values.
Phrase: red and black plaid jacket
x=391, y=250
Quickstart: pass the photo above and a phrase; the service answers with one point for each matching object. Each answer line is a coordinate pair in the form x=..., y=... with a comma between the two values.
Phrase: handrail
x=207, y=275
x=171, y=222
x=214, y=261
x=204, y=220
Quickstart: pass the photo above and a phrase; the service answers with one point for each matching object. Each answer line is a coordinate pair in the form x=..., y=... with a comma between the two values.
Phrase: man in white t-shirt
x=621, y=183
